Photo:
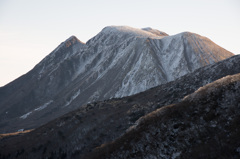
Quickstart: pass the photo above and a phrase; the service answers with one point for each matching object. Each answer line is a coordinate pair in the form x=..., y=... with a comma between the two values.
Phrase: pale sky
x=31, y=29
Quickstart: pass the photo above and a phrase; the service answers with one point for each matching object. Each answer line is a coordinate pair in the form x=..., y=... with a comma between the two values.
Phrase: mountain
x=117, y=62
x=77, y=133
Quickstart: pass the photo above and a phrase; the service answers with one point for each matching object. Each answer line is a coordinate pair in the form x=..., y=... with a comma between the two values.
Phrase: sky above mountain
x=29, y=30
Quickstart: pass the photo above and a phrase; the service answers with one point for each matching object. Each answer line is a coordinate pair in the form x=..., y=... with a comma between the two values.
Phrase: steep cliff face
x=119, y=61
x=77, y=133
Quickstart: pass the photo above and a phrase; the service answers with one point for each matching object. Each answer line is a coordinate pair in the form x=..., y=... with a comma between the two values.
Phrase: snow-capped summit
x=126, y=30
x=117, y=62
x=116, y=35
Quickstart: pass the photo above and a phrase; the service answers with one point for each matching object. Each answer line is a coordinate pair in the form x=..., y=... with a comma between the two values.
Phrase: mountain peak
x=133, y=31
x=191, y=34
x=155, y=31
x=72, y=40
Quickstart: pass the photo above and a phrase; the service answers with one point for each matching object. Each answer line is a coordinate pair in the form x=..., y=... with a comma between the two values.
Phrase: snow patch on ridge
x=43, y=106
x=37, y=109
x=25, y=115
x=72, y=98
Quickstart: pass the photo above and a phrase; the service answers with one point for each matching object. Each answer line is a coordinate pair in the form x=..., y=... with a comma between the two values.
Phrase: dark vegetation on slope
x=204, y=125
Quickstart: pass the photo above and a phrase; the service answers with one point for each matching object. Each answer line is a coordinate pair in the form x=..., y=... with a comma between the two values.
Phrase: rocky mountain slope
x=118, y=62
x=36, y=89
x=76, y=134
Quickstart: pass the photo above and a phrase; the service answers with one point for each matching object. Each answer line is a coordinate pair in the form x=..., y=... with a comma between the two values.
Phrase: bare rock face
x=119, y=61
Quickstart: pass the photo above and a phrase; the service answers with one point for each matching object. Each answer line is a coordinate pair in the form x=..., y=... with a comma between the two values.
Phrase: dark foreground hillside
x=204, y=124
